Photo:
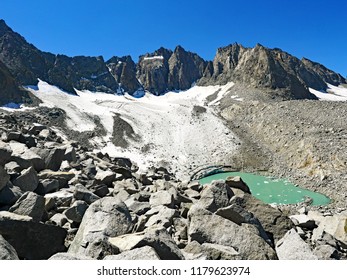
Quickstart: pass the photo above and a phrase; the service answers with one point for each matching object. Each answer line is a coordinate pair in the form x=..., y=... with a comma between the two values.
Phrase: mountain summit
x=269, y=69
x=273, y=71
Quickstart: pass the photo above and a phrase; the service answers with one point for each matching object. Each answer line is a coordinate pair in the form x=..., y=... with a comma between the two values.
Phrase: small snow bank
x=156, y=57
x=333, y=93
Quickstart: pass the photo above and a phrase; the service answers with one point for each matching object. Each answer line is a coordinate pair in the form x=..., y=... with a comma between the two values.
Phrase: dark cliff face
x=123, y=69
x=185, y=68
x=165, y=70
x=153, y=71
x=82, y=73
x=9, y=90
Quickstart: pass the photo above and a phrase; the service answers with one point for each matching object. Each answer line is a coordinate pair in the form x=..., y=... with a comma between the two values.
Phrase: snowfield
x=333, y=93
x=180, y=130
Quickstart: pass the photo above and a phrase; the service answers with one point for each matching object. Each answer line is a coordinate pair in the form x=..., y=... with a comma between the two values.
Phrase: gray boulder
x=137, y=207
x=58, y=219
x=4, y=178
x=36, y=128
x=142, y=253
x=292, y=247
x=107, y=217
x=334, y=225
x=10, y=194
x=105, y=177
x=238, y=215
x=214, y=196
x=237, y=183
x=67, y=257
x=13, y=168
x=180, y=227
x=192, y=194
x=30, y=204
x=157, y=238
x=234, y=213
x=303, y=221
x=274, y=222
x=76, y=211
x=163, y=218
x=326, y=252
x=210, y=251
x=26, y=157
x=82, y=193
x=5, y=153
x=62, y=177
x=60, y=198
x=28, y=180
x=47, y=186
x=7, y=252
x=70, y=154
x=31, y=240
x=205, y=227
x=162, y=198
x=52, y=157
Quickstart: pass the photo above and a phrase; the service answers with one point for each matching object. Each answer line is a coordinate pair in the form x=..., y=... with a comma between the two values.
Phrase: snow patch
x=222, y=93
x=154, y=57
x=333, y=93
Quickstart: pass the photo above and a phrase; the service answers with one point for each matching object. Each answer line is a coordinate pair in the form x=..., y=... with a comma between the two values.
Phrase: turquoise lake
x=272, y=190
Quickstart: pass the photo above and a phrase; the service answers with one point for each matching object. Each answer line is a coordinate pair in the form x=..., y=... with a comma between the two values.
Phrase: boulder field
x=59, y=200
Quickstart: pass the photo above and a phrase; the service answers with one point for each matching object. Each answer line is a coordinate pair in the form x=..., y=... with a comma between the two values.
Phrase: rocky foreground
x=58, y=200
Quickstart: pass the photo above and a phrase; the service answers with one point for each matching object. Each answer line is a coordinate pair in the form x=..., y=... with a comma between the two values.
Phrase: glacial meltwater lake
x=271, y=190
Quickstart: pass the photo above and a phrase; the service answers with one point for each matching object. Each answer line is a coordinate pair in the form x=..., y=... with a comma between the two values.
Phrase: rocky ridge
x=276, y=73
x=58, y=200
x=272, y=70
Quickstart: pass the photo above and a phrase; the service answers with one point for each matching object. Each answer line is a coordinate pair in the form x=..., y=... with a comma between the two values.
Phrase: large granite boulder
x=142, y=253
x=157, y=238
x=205, y=227
x=292, y=247
x=107, y=217
x=7, y=252
x=31, y=240
x=274, y=222
x=30, y=204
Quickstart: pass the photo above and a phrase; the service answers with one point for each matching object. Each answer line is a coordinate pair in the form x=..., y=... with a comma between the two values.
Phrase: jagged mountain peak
x=117, y=59
x=4, y=28
x=271, y=70
x=166, y=70
x=161, y=53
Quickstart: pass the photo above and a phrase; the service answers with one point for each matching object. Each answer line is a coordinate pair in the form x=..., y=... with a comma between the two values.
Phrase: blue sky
x=315, y=29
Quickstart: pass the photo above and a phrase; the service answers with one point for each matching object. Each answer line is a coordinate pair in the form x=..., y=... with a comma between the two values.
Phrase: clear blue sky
x=316, y=29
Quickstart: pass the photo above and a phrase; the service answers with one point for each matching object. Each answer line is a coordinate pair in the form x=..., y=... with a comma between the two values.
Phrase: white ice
x=333, y=93
x=166, y=128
